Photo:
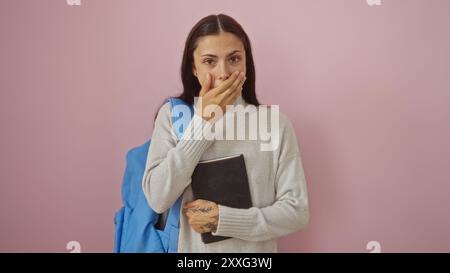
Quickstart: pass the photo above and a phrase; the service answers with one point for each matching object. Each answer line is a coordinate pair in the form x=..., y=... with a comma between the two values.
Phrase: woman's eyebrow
x=214, y=56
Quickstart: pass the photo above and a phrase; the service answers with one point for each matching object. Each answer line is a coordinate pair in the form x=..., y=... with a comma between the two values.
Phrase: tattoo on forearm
x=201, y=210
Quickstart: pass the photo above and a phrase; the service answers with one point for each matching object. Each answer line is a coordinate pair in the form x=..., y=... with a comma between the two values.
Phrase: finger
x=234, y=87
x=187, y=206
x=241, y=87
x=206, y=85
x=234, y=95
x=236, y=84
x=227, y=83
x=198, y=229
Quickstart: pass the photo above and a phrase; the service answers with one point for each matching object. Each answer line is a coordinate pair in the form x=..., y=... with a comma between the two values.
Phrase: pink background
x=366, y=87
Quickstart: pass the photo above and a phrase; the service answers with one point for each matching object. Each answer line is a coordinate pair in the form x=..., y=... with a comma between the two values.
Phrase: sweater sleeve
x=287, y=214
x=170, y=163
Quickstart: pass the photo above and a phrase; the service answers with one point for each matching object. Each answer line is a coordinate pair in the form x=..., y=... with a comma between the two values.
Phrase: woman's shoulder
x=163, y=116
x=164, y=108
x=166, y=111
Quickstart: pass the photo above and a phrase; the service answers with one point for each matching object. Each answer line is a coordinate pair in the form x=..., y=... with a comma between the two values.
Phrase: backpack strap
x=180, y=109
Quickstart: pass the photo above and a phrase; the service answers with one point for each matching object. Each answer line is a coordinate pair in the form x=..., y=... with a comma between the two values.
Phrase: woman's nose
x=223, y=72
x=223, y=76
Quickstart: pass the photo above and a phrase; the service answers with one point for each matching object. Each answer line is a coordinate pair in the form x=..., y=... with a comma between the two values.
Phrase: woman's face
x=220, y=55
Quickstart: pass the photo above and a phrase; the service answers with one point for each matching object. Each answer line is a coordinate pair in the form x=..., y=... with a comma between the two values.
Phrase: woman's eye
x=208, y=61
x=235, y=59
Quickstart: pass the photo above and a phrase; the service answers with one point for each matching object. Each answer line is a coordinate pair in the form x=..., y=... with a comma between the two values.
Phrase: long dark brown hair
x=213, y=25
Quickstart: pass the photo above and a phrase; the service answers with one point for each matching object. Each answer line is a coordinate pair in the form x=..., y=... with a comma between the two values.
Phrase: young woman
x=218, y=67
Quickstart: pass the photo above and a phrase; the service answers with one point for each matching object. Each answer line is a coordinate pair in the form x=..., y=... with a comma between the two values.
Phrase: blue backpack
x=135, y=229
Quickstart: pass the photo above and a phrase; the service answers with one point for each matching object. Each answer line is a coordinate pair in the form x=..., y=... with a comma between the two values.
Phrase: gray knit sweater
x=276, y=177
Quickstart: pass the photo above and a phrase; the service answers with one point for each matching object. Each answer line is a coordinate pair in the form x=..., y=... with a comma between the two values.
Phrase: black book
x=223, y=181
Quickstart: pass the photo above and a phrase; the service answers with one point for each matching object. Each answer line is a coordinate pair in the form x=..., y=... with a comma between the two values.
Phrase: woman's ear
x=194, y=71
